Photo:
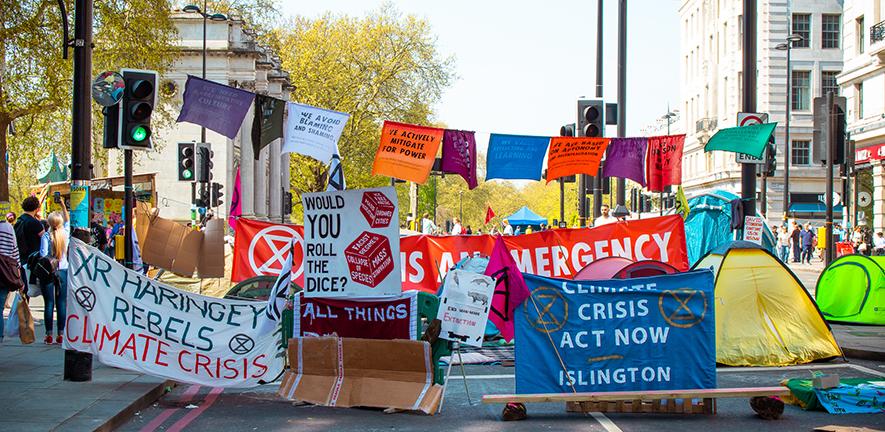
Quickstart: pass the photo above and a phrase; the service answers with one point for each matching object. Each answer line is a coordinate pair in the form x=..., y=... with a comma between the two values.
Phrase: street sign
x=746, y=119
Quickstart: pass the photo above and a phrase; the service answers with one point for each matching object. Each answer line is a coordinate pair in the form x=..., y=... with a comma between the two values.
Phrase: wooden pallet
x=658, y=406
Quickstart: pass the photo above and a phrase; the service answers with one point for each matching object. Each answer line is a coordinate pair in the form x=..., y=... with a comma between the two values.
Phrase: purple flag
x=459, y=155
x=625, y=158
x=215, y=106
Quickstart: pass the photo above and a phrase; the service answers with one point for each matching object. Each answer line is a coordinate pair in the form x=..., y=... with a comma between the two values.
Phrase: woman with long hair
x=54, y=244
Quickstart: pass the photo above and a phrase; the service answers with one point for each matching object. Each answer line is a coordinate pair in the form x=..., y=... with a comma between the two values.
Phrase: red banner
x=556, y=253
x=358, y=318
x=664, y=165
x=261, y=248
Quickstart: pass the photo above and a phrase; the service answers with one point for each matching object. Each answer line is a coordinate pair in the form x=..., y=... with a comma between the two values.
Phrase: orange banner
x=574, y=155
x=407, y=151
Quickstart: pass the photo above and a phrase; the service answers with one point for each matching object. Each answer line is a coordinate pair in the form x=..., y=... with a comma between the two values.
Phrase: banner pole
x=553, y=344
x=463, y=375
x=445, y=385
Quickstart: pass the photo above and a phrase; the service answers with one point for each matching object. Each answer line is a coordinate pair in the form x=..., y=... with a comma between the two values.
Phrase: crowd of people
x=804, y=243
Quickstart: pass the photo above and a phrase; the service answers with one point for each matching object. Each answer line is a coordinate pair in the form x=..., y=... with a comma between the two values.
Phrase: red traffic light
x=141, y=89
x=591, y=113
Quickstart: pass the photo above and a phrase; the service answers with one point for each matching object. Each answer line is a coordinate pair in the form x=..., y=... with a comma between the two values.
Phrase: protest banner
x=664, y=166
x=753, y=229
x=750, y=139
x=652, y=333
x=574, y=155
x=313, y=132
x=132, y=322
x=464, y=307
x=515, y=157
x=267, y=122
x=407, y=151
x=394, y=317
x=261, y=248
x=351, y=243
x=216, y=107
x=625, y=158
x=459, y=155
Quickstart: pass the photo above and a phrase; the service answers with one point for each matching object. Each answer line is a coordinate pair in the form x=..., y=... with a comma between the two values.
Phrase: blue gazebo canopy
x=524, y=216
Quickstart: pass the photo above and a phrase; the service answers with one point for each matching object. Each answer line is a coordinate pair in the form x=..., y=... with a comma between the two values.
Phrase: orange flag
x=574, y=155
x=407, y=151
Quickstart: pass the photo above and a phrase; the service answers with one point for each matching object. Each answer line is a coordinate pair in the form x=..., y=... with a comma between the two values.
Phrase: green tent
x=852, y=290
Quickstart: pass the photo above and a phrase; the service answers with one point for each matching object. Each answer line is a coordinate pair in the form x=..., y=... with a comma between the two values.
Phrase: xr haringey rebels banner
x=407, y=151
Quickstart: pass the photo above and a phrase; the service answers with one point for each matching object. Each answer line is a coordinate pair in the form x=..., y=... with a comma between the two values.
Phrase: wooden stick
x=445, y=384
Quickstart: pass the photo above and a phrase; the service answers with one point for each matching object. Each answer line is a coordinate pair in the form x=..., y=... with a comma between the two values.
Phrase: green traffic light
x=187, y=174
x=139, y=133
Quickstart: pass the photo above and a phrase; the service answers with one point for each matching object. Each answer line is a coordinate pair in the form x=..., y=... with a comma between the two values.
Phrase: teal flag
x=742, y=139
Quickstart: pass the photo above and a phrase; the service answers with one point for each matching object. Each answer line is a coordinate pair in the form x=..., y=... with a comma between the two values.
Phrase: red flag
x=510, y=289
x=263, y=248
x=489, y=214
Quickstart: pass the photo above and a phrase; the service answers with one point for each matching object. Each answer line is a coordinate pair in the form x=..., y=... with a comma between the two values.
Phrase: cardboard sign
x=574, y=155
x=407, y=151
x=464, y=307
x=132, y=322
x=652, y=333
x=753, y=226
x=351, y=243
x=382, y=318
x=349, y=372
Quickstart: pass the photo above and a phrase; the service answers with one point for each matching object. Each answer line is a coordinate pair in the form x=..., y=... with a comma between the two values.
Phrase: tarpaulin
x=651, y=333
x=407, y=151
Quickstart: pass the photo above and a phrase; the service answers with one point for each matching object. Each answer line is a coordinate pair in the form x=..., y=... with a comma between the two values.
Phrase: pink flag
x=236, y=210
x=510, y=289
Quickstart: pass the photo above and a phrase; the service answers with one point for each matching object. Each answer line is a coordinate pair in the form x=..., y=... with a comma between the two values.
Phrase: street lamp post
x=788, y=147
x=668, y=117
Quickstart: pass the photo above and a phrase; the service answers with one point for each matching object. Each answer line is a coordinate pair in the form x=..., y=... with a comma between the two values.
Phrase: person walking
x=54, y=245
x=807, y=244
x=783, y=243
x=8, y=247
x=796, y=241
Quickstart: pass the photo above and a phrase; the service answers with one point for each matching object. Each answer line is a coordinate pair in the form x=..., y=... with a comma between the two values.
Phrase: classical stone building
x=234, y=58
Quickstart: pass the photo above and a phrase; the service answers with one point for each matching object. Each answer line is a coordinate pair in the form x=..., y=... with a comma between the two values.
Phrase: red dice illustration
x=369, y=259
x=377, y=209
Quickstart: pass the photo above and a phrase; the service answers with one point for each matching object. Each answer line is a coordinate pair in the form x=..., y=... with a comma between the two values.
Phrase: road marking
x=482, y=377
x=867, y=370
x=168, y=412
x=782, y=368
x=194, y=413
x=606, y=422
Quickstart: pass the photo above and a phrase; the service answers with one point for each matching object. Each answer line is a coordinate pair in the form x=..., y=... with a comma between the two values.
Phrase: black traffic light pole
x=129, y=202
x=748, y=171
x=622, y=88
x=831, y=138
x=78, y=365
x=597, y=181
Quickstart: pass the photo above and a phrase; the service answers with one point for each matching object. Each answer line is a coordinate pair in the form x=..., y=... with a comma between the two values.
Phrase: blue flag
x=516, y=157
x=652, y=333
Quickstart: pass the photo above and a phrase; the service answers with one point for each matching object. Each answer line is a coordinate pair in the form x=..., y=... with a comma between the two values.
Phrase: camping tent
x=615, y=267
x=764, y=317
x=852, y=290
x=645, y=268
x=709, y=224
x=524, y=216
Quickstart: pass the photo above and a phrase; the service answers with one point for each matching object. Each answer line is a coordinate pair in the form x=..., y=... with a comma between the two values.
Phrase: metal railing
x=877, y=32
x=705, y=124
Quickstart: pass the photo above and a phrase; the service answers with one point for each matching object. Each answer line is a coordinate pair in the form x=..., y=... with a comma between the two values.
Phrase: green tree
x=384, y=66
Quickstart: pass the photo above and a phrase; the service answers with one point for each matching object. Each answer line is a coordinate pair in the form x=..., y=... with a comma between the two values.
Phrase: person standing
x=796, y=241
x=879, y=244
x=457, y=229
x=468, y=231
x=8, y=247
x=508, y=230
x=783, y=243
x=856, y=239
x=427, y=225
x=28, y=231
x=605, y=217
x=807, y=237
x=54, y=245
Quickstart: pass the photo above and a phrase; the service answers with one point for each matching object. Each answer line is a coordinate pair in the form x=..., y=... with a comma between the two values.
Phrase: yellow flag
x=682, y=203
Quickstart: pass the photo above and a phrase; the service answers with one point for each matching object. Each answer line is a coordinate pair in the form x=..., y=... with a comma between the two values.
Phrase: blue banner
x=652, y=333
x=515, y=157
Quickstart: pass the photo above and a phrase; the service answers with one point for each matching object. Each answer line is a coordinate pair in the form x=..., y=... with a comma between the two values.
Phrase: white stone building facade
x=712, y=87
x=862, y=82
x=233, y=58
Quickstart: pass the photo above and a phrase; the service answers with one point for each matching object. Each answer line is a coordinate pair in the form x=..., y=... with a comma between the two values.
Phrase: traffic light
x=185, y=161
x=216, y=195
x=287, y=203
x=203, y=163
x=591, y=118
x=821, y=132
x=136, y=108
x=567, y=130
x=202, y=197
x=770, y=157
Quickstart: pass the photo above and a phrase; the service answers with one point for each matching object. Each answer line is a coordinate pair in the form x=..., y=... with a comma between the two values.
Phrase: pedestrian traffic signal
x=185, y=161
x=136, y=107
x=216, y=195
x=823, y=124
x=203, y=163
x=591, y=118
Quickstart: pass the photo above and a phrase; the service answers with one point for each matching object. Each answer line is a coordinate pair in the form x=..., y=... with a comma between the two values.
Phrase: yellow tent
x=764, y=316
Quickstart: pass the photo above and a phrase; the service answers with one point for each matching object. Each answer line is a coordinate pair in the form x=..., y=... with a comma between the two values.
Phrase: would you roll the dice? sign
x=351, y=243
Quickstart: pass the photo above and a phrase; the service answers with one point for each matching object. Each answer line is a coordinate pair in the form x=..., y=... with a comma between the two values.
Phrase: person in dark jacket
x=807, y=237
x=796, y=241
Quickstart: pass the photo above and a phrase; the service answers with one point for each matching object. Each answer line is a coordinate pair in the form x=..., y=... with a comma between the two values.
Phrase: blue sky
x=522, y=64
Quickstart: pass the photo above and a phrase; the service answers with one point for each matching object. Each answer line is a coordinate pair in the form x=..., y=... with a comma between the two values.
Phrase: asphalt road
x=205, y=409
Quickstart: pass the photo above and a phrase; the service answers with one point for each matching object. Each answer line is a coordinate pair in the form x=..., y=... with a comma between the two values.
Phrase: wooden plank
x=644, y=395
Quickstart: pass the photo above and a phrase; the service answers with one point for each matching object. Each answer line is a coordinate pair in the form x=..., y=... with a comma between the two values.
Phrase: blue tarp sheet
x=524, y=216
x=709, y=225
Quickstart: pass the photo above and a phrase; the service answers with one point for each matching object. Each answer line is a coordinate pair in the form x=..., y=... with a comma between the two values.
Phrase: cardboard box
x=211, y=255
x=826, y=381
x=349, y=372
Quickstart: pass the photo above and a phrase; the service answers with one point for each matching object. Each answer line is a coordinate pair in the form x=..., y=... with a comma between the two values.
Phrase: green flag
x=682, y=208
x=742, y=139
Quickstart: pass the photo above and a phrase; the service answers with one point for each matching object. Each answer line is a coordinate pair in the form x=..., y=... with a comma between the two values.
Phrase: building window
x=828, y=83
x=860, y=30
x=802, y=27
x=801, y=90
x=829, y=35
x=740, y=32
x=858, y=89
x=801, y=152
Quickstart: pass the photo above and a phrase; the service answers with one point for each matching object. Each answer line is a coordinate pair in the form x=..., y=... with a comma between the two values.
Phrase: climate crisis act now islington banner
x=132, y=322
x=652, y=333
